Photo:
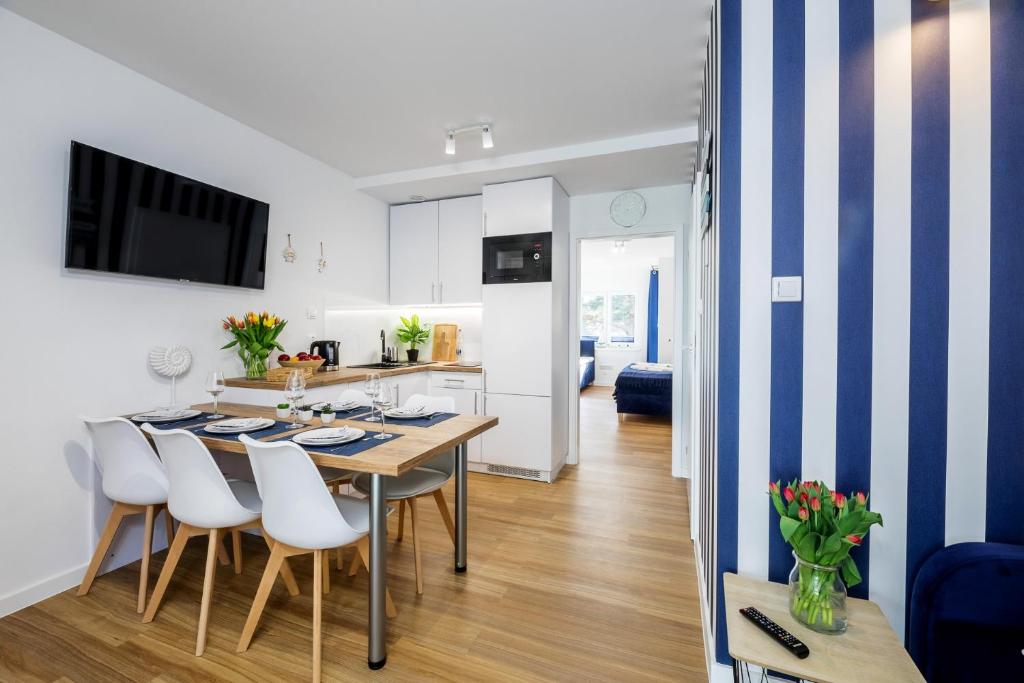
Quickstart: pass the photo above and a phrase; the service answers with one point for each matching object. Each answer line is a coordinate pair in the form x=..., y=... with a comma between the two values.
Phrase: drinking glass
x=295, y=389
x=371, y=388
x=214, y=386
x=382, y=399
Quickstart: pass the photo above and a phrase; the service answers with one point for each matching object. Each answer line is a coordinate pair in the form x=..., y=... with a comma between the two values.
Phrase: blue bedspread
x=643, y=392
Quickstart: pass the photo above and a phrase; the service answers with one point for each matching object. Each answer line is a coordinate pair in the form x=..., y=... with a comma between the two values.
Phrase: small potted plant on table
x=411, y=332
x=327, y=414
x=823, y=527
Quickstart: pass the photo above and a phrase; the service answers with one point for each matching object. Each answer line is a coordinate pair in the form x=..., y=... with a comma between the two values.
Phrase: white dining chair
x=135, y=480
x=333, y=476
x=205, y=504
x=425, y=480
x=301, y=516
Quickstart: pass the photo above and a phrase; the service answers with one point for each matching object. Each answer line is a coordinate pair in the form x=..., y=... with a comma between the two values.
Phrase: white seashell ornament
x=171, y=362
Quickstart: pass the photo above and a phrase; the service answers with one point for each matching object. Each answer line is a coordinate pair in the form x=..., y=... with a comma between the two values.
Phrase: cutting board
x=445, y=342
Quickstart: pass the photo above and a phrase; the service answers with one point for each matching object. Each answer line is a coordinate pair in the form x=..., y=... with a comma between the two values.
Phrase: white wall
x=628, y=273
x=76, y=344
x=358, y=330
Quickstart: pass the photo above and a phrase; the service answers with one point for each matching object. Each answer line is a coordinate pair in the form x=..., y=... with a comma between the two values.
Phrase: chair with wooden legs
x=426, y=480
x=302, y=516
x=135, y=480
x=205, y=504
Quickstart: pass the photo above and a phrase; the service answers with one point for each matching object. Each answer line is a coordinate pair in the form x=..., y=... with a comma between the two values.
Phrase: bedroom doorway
x=626, y=321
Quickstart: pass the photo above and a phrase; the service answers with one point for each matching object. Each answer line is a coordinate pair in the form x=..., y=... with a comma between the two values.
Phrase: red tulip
x=854, y=539
x=840, y=500
x=861, y=498
x=803, y=498
x=816, y=504
x=226, y=326
x=773, y=487
x=803, y=514
x=788, y=494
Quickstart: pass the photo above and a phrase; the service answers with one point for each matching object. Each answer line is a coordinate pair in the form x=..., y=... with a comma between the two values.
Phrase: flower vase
x=817, y=597
x=255, y=365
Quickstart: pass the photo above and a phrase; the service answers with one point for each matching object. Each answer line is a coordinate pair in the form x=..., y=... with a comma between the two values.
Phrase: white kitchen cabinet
x=459, y=250
x=435, y=252
x=522, y=437
x=516, y=339
x=409, y=384
x=519, y=207
x=467, y=402
x=413, y=253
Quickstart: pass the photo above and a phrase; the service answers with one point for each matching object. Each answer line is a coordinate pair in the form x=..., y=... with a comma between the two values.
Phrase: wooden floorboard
x=591, y=578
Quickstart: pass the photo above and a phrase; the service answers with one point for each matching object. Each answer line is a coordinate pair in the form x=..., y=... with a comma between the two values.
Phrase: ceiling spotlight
x=486, y=139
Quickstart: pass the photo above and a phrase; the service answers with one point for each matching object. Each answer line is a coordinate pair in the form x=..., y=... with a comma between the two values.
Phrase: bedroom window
x=609, y=316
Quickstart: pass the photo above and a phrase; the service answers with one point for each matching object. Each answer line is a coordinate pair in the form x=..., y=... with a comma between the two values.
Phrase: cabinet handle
x=440, y=292
x=476, y=411
x=455, y=381
x=485, y=224
x=432, y=292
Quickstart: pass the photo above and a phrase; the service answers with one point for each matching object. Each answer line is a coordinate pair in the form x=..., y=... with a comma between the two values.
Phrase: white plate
x=163, y=415
x=398, y=414
x=338, y=407
x=239, y=425
x=328, y=436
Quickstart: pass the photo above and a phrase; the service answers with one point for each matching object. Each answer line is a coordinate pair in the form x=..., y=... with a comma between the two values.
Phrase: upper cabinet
x=519, y=207
x=459, y=251
x=413, y=253
x=435, y=252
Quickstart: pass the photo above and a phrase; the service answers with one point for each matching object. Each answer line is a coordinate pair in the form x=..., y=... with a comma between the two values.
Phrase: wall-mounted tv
x=131, y=218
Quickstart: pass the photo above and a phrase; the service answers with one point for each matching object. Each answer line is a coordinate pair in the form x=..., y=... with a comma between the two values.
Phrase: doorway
x=626, y=316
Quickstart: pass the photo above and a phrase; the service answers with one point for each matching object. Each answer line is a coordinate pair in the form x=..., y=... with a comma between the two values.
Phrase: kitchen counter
x=348, y=375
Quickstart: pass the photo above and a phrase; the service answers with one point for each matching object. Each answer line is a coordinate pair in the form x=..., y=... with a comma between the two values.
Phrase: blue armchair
x=967, y=614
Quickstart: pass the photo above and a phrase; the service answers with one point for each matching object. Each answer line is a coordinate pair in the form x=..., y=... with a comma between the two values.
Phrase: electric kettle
x=330, y=351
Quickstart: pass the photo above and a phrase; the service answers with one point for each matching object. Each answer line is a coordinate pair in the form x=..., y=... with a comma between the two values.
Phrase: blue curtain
x=652, y=318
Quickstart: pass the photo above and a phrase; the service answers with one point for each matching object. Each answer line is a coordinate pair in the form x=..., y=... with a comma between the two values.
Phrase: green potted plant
x=283, y=411
x=327, y=413
x=411, y=332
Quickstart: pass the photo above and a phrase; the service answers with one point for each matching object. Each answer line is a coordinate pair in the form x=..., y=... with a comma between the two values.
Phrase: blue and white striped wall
x=876, y=149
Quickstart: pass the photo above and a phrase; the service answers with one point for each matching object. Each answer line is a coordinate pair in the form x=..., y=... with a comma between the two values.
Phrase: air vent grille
x=522, y=472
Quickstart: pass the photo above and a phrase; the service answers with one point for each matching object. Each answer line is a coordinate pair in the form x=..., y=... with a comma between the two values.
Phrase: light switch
x=311, y=313
x=786, y=289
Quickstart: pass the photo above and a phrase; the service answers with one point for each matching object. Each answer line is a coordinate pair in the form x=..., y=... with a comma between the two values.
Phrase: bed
x=587, y=361
x=644, y=389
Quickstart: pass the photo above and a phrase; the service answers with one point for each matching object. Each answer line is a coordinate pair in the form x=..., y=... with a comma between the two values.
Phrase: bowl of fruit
x=300, y=360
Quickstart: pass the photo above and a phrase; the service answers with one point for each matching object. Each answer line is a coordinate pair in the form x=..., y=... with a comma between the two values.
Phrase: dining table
x=391, y=458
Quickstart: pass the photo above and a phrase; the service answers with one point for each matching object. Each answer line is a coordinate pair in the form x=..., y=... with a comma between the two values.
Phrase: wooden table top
x=868, y=651
x=348, y=375
x=392, y=458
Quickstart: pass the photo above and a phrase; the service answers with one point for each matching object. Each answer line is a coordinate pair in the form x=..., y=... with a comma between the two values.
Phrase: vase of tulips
x=823, y=526
x=255, y=335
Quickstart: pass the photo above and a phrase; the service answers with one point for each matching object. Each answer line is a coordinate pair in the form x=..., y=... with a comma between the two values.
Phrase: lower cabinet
x=522, y=437
x=467, y=402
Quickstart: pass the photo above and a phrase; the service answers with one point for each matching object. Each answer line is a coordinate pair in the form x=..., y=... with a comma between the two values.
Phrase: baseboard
x=20, y=599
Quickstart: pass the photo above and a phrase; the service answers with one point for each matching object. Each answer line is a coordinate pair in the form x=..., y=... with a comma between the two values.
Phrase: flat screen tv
x=131, y=218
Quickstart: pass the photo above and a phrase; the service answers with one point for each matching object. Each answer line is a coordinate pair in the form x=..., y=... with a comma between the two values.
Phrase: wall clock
x=628, y=209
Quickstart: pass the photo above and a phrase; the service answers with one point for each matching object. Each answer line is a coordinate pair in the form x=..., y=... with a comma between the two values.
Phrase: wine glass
x=214, y=386
x=371, y=387
x=382, y=399
x=295, y=389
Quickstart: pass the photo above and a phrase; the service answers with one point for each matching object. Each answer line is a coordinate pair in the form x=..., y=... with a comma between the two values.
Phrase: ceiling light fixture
x=486, y=137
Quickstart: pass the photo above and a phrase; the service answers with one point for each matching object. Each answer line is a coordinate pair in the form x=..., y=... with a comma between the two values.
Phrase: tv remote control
x=781, y=635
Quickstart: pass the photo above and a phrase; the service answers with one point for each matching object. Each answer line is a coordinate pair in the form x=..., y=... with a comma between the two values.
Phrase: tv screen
x=128, y=217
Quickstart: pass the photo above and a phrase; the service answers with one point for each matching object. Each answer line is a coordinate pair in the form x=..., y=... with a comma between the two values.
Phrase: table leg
x=377, y=654
x=461, y=469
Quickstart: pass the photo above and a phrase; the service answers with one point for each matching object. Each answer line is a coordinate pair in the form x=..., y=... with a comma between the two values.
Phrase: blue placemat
x=348, y=414
x=418, y=422
x=353, y=447
x=188, y=422
x=277, y=428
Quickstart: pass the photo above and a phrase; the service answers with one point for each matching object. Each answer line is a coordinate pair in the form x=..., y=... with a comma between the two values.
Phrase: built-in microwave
x=517, y=258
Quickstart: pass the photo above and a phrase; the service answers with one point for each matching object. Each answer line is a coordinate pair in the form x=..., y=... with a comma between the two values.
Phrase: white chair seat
x=138, y=488
x=247, y=494
x=413, y=483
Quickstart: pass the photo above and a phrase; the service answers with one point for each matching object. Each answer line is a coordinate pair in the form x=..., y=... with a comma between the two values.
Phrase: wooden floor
x=591, y=578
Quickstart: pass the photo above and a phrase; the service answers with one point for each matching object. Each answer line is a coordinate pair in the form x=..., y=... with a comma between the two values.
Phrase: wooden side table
x=868, y=651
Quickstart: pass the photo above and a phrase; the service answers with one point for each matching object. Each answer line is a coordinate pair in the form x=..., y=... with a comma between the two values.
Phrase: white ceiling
x=370, y=87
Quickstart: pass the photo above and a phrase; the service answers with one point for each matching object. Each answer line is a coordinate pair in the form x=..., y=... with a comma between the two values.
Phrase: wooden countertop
x=347, y=375
x=417, y=445
x=869, y=651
